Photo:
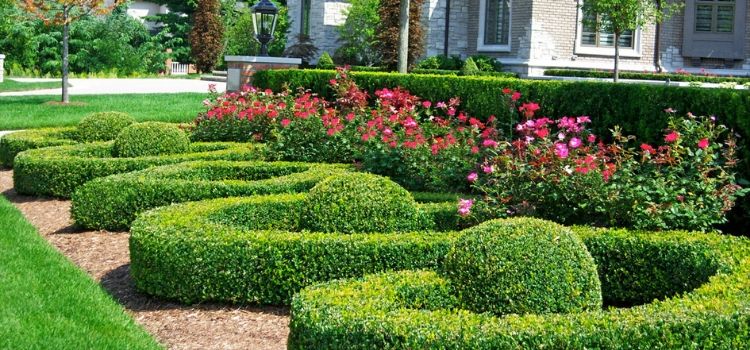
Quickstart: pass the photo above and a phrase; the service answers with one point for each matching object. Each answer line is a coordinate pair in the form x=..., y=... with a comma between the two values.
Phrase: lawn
x=36, y=111
x=12, y=85
x=48, y=303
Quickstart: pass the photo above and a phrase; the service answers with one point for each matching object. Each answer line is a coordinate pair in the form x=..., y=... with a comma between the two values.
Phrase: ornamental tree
x=619, y=16
x=63, y=13
x=207, y=35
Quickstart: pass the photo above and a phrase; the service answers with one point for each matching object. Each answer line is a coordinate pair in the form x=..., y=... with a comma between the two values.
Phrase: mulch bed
x=105, y=256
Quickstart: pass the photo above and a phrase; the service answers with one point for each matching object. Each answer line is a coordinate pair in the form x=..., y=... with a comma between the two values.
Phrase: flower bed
x=113, y=202
x=17, y=142
x=58, y=171
x=418, y=309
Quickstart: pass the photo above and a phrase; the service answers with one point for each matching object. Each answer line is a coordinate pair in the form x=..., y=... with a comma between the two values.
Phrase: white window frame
x=627, y=52
x=481, y=46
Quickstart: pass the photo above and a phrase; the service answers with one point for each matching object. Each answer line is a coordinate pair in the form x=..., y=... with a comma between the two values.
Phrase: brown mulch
x=105, y=256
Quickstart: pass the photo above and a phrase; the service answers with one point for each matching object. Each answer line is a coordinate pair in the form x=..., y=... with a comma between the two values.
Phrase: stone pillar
x=2, y=65
x=240, y=69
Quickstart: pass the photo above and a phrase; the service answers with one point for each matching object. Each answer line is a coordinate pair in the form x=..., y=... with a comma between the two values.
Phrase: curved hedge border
x=17, y=142
x=250, y=250
x=416, y=309
x=58, y=171
x=113, y=202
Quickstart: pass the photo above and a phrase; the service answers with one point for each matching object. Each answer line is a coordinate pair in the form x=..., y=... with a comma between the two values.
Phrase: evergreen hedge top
x=102, y=126
x=253, y=250
x=359, y=202
x=58, y=171
x=523, y=265
x=113, y=202
x=17, y=142
x=420, y=310
x=150, y=139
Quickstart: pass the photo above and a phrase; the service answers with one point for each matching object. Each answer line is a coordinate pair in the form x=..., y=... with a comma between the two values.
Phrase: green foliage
x=150, y=139
x=487, y=63
x=442, y=62
x=360, y=203
x=17, y=142
x=102, y=126
x=419, y=310
x=239, y=34
x=249, y=250
x=113, y=202
x=358, y=34
x=523, y=266
x=469, y=68
x=325, y=61
x=207, y=35
x=645, y=76
x=388, y=32
x=58, y=171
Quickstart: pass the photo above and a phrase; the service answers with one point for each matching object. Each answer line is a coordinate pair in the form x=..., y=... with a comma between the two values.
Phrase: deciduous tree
x=207, y=35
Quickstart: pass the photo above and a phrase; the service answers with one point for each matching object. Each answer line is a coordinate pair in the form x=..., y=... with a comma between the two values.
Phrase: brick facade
x=544, y=34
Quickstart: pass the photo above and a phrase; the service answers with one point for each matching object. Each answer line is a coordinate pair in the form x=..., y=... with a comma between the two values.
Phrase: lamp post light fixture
x=264, y=23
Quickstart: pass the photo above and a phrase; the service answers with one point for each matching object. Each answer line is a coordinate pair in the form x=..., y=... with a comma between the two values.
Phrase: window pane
x=703, y=18
x=725, y=19
x=626, y=39
x=588, y=38
x=496, y=22
x=606, y=39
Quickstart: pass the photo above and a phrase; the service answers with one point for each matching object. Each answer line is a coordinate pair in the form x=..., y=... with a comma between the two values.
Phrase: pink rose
x=703, y=143
x=472, y=177
x=574, y=142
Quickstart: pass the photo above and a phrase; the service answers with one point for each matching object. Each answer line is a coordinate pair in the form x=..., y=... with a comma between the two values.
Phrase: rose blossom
x=464, y=206
x=574, y=142
x=472, y=177
x=672, y=136
x=703, y=143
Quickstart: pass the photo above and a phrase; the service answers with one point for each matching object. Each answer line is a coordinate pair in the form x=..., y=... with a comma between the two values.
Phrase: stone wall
x=433, y=18
x=325, y=17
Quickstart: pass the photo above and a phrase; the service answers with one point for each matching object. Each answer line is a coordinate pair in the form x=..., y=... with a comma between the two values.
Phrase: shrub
x=112, y=202
x=707, y=78
x=522, y=266
x=361, y=203
x=419, y=309
x=17, y=142
x=150, y=139
x=358, y=34
x=388, y=31
x=469, y=67
x=102, y=126
x=250, y=250
x=58, y=171
x=207, y=35
x=325, y=61
x=441, y=62
x=487, y=63
x=303, y=48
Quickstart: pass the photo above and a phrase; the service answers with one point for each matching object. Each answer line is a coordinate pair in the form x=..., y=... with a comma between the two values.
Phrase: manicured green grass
x=48, y=303
x=27, y=112
x=12, y=85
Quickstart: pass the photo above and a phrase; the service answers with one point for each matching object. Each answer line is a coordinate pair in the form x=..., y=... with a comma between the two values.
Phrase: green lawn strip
x=48, y=303
x=25, y=112
x=12, y=85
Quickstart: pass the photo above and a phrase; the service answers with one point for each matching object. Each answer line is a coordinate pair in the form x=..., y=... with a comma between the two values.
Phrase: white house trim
x=481, y=46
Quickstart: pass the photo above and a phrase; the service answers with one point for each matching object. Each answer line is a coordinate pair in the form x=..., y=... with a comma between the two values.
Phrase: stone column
x=2, y=65
x=240, y=69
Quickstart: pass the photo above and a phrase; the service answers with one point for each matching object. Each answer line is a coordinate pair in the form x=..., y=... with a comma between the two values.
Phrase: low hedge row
x=58, y=171
x=419, y=309
x=112, y=202
x=459, y=73
x=251, y=250
x=17, y=142
x=644, y=76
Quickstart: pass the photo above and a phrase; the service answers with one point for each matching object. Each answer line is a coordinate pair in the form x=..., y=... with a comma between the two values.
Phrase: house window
x=714, y=16
x=494, y=25
x=305, y=18
x=595, y=34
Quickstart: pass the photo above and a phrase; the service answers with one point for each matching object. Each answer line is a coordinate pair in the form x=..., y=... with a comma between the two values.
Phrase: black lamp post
x=264, y=23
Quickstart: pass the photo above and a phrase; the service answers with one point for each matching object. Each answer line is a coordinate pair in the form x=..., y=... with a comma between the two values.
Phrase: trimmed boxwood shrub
x=102, y=126
x=17, y=142
x=419, y=309
x=523, y=265
x=359, y=202
x=644, y=76
x=252, y=250
x=58, y=171
x=150, y=139
x=113, y=202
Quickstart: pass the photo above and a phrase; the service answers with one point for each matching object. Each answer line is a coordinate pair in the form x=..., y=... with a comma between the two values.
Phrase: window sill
x=607, y=51
x=493, y=48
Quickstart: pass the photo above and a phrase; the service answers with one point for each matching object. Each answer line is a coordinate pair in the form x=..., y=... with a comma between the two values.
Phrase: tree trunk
x=617, y=56
x=66, y=35
x=403, y=38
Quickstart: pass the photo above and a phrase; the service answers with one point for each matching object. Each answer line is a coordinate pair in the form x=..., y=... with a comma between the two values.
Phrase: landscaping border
x=14, y=143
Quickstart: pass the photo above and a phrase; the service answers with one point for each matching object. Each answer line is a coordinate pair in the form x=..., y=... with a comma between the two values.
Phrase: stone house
x=529, y=36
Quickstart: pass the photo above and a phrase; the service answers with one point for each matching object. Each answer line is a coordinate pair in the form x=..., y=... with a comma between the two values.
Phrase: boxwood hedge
x=58, y=171
x=112, y=202
x=17, y=142
x=419, y=310
x=252, y=250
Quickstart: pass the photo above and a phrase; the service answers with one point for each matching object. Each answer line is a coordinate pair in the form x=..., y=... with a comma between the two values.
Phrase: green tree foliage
x=207, y=35
x=388, y=31
x=240, y=36
x=357, y=35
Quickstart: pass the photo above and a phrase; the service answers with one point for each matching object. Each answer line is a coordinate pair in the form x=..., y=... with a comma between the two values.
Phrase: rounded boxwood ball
x=150, y=139
x=360, y=203
x=523, y=265
x=102, y=126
